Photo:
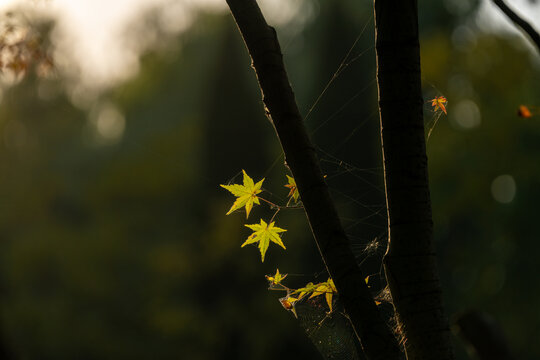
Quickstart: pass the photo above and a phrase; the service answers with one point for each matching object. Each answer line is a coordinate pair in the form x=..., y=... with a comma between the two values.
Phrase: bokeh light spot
x=466, y=115
x=503, y=189
x=108, y=124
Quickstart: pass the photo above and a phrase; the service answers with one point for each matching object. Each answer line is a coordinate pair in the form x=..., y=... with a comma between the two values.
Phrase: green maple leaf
x=263, y=233
x=309, y=288
x=293, y=193
x=246, y=194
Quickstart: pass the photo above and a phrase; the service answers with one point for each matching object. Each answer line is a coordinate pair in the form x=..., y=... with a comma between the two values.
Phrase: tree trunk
x=278, y=97
x=410, y=262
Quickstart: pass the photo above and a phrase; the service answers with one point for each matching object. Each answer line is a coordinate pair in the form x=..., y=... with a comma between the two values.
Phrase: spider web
x=331, y=332
x=360, y=197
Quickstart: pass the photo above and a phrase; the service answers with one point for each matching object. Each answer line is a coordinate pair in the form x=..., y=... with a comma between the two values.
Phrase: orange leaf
x=293, y=193
x=439, y=102
x=524, y=112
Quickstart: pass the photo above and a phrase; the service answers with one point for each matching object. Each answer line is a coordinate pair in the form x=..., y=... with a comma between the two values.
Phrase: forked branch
x=261, y=41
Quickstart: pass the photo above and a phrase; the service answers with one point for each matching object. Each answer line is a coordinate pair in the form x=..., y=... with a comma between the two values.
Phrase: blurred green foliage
x=122, y=249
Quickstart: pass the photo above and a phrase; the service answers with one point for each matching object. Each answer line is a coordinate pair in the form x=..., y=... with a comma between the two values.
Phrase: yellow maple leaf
x=439, y=102
x=293, y=189
x=276, y=279
x=328, y=289
x=263, y=233
x=246, y=194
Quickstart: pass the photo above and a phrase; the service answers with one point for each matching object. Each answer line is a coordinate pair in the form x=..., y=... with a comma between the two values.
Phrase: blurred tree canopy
x=113, y=236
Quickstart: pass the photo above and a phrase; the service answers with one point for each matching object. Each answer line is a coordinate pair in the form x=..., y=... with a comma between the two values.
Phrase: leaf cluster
x=247, y=195
x=21, y=46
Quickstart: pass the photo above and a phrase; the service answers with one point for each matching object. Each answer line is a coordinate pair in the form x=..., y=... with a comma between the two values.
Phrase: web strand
x=341, y=67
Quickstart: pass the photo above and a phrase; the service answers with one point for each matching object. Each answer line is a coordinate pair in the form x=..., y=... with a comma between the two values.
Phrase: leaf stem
x=279, y=207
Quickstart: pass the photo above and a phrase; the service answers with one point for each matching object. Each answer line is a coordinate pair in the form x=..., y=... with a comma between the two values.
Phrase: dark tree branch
x=410, y=262
x=483, y=335
x=520, y=22
x=377, y=340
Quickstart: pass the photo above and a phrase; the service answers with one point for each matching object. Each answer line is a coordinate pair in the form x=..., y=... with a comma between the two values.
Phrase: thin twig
x=520, y=22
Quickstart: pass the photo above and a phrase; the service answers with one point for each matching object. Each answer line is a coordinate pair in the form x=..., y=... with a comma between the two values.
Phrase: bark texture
x=376, y=338
x=520, y=23
x=410, y=262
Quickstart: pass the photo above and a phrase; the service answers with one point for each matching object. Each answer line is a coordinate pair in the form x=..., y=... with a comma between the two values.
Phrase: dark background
x=121, y=249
